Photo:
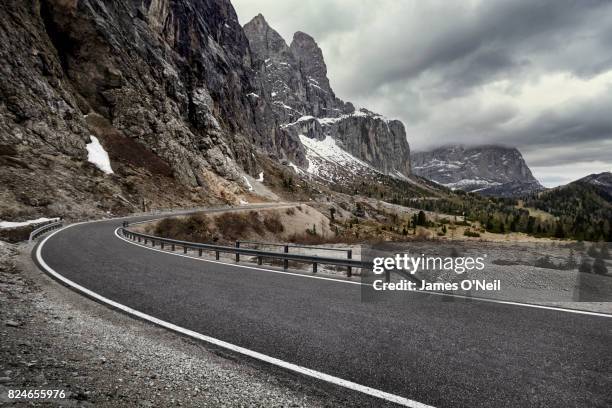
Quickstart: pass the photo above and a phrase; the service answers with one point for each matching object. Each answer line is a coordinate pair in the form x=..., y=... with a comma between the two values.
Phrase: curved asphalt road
x=432, y=349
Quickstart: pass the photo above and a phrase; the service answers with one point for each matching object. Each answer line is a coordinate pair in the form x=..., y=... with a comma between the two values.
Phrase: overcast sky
x=532, y=74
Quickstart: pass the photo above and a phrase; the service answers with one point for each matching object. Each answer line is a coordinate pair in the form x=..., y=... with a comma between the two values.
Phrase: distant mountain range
x=489, y=170
x=601, y=183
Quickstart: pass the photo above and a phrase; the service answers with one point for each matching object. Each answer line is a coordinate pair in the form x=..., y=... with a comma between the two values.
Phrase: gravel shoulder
x=53, y=338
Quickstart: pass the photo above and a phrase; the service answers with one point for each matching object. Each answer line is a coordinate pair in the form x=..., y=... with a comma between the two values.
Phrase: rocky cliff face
x=294, y=78
x=163, y=85
x=489, y=170
x=183, y=103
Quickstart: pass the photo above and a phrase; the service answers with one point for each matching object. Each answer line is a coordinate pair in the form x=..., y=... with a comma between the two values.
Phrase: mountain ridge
x=295, y=78
x=487, y=169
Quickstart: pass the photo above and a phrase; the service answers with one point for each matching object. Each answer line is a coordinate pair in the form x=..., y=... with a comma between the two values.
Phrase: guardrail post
x=314, y=267
x=349, y=270
x=237, y=254
x=286, y=261
x=259, y=260
x=162, y=245
x=146, y=241
x=184, y=249
x=200, y=252
x=139, y=238
x=152, y=242
x=172, y=247
x=217, y=255
x=387, y=275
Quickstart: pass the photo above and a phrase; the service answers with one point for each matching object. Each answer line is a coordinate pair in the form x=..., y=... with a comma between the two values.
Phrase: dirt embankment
x=291, y=224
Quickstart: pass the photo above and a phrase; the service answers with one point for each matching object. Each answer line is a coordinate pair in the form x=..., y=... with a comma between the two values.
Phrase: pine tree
x=421, y=219
x=559, y=232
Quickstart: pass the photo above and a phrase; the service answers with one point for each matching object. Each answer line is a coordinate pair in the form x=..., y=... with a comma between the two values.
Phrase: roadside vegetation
x=558, y=214
x=360, y=223
x=229, y=226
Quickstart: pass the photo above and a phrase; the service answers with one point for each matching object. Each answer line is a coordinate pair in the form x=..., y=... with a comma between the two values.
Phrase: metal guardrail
x=237, y=250
x=48, y=226
x=349, y=252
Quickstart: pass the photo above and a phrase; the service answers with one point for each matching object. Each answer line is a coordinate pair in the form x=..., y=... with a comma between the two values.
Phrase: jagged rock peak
x=295, y=81
x=310, y=57
x=269, y=44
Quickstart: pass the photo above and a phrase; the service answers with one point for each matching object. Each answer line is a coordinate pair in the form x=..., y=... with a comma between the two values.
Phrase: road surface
x=427, y=349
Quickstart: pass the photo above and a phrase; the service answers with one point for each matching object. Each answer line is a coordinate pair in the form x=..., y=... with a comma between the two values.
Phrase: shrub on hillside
x=470, y=233
x=231, y=225
x=194, y=228
x=273, y=224
x=255, y=222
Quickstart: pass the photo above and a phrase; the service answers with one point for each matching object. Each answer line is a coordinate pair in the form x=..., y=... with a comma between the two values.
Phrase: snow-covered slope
x=328, y=161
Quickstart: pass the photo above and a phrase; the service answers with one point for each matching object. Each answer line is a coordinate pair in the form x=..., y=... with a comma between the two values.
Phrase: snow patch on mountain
x=327, y=160
x=472, y=185
x=296, y=168
x=248, y=184
x=329, y=150
x=98, y=156
x=15, y=224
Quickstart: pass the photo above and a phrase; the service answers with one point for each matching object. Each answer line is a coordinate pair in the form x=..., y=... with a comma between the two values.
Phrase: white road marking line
x=220, y=343
x=479, y=299
x=237, y=265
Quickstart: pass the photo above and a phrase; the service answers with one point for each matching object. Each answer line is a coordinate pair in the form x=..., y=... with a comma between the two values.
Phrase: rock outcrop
x=294, y=78
x=163, y=85
x=489, y=170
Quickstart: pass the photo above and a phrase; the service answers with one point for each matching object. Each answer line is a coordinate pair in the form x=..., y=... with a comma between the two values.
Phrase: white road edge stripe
x=479, y=299
x=301, y=275
x=220, y=343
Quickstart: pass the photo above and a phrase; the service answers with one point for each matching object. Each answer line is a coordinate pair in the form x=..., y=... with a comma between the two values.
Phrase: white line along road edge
x=350, y=282
x=300, y=275
x=220, y=343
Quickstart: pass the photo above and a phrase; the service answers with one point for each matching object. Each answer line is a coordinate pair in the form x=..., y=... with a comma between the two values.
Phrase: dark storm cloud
x=485, y=41
x=534, y=74
x=589, y=121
